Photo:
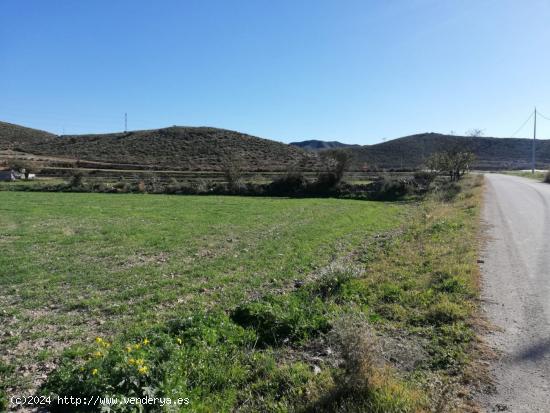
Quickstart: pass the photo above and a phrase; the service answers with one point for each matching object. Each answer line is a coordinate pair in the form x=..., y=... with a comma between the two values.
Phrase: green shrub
x=279, y=319
x=206, y=358
x=122, y=187
x=445, y=311
x=390, y=292
x=293, y=183
x=3, y=401
x=446, y=283
x=391, y=188
x=331, y=283
x=76, y=180
x=447, y=191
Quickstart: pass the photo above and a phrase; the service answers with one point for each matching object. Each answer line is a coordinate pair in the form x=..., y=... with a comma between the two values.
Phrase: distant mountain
x=316, y=145
x=411, y=152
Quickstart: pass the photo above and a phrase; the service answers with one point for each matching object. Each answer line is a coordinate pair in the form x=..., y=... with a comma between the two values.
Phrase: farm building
x=8, y=175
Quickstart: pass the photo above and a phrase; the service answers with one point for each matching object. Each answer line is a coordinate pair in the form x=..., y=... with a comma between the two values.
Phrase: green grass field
x=249, y=286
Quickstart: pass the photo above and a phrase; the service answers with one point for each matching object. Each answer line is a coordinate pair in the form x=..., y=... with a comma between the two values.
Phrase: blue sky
x=356, y=71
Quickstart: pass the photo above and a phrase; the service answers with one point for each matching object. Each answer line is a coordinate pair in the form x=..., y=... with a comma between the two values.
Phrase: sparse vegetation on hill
x=411, y=152
x=15, y=136
x=204, y=149
x=178, y=148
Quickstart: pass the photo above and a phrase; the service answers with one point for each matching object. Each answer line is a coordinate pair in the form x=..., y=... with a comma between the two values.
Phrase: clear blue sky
x=357, y=71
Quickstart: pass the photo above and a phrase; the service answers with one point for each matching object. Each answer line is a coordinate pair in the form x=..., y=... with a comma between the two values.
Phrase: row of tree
x=454, y=163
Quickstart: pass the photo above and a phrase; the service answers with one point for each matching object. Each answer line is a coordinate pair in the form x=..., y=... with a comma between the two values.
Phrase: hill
x=315, y=145
x=176, y=148
x=411, y=151
x=14, y=136
x=205, y=148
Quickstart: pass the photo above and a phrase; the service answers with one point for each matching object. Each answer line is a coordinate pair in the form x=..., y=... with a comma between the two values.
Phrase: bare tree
x=474, y=133
x=455, y=163
x=232, y=168
x=335, y=162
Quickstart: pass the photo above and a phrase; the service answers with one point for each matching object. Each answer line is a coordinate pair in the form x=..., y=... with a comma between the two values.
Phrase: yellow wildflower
x=145, y=342
x=94, y=372
x=143, y=370
x=98, y=340
x=140, y=362
x=98, y=354
x=131, y=361
x=137, y=346
x=128, y=348
x=179, y=340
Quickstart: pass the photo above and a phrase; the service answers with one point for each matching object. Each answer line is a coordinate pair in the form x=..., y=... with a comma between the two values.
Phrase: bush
x=280, y=319
x=122, y=187
x=77, y=180
x=141, y=187
x=326, y=181
x=423, y=179
x=447, y=191
x=364, y=384
x=392, y=188
x=445, y=311
x=331, y=283
x=547, y=177
x=293, y=183
x=3, y=401
x=233, y=170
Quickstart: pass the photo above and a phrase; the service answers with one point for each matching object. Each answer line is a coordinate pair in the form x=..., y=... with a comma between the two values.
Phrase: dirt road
x=516, y=291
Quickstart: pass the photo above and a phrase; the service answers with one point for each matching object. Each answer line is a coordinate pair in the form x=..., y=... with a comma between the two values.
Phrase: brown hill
x=411, y=151
x=175, y=148
x=13, y=137
x=204, y=149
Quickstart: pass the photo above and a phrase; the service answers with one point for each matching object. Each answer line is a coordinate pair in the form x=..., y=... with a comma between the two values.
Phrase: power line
x=522, y=125
x=540, y=114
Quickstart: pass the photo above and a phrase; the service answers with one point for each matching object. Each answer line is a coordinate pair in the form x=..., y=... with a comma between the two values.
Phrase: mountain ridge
x=207, y=148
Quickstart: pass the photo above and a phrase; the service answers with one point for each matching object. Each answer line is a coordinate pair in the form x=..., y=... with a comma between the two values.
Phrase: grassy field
x=538, y=175
x=239, y=303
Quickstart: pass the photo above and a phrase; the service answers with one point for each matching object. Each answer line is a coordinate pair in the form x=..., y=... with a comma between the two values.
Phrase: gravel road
x=516, y=291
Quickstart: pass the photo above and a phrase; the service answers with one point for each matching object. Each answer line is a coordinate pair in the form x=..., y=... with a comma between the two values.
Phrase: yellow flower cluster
x=102, y=342
x=137, y=346
x=140, y=364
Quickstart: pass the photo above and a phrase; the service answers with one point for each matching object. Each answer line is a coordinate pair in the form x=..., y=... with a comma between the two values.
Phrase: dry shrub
x=364, y=382
x=141, y=187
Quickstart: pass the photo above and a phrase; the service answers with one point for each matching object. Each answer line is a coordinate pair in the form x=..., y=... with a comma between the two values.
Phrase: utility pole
x=534, y=142
x=125, y=122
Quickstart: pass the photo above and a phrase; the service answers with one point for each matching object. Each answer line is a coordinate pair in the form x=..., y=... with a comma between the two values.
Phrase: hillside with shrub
x=208, y=149
x=13, y=137
x=412, y=151
x=179, y=148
